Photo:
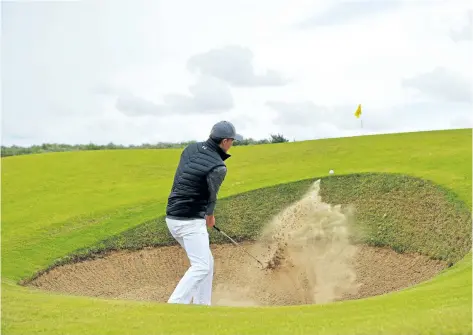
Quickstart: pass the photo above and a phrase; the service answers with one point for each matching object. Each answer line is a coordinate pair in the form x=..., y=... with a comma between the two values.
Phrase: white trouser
x=196, y=283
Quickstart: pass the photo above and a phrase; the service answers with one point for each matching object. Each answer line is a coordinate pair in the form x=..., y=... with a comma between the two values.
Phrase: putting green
x=57, y=203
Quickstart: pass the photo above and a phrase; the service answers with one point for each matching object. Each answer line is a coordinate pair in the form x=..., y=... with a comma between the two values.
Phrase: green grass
x=57, y=203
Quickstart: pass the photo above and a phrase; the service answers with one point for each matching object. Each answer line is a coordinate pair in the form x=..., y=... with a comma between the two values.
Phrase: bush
x=279, y=138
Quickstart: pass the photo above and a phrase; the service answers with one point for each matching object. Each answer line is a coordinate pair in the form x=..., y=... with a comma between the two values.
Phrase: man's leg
x=195, y=240
x=203, y=293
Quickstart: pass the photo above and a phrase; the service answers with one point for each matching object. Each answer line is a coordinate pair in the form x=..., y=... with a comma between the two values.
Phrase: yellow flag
x=358, y=111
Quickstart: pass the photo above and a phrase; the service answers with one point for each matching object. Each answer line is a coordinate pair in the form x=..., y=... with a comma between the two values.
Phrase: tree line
x=15, y=150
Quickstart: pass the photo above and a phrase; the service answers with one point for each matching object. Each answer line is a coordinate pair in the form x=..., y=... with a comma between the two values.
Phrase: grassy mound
x=405, y=213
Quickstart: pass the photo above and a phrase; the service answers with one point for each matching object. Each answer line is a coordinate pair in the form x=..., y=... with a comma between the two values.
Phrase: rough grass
x=405, y=213
x=56, y=203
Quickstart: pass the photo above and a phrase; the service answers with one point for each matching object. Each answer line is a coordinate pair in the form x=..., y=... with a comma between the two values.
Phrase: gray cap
x=225, y=129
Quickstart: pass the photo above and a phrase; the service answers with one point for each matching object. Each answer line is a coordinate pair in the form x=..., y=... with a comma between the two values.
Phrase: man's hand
x=210, y=220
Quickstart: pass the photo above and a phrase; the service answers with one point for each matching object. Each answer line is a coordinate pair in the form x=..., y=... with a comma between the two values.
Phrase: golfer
x=190, y=209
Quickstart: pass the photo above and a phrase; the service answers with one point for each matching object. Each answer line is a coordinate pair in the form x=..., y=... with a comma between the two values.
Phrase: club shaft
x=234, y=242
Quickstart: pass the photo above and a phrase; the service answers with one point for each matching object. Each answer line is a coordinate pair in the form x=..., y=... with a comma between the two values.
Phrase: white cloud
x=246, y=61
x=208, y=95
x=233, y=64
x=442, y=84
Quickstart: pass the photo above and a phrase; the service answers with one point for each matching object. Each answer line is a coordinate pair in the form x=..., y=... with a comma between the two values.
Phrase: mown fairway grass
x=54, y=204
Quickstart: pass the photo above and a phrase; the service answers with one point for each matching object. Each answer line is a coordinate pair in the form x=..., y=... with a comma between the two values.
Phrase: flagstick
x=361, y=123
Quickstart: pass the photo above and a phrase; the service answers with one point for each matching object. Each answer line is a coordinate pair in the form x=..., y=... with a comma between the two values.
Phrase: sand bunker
x=307, y=253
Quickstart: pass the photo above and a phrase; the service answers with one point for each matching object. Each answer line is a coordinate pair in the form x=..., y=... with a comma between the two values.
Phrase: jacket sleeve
x=214, y=180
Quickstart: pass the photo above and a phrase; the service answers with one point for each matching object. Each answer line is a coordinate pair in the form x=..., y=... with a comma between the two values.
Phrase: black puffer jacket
x=189, y=194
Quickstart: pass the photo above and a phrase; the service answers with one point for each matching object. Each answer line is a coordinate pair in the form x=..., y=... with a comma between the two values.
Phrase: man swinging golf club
x=190, y=209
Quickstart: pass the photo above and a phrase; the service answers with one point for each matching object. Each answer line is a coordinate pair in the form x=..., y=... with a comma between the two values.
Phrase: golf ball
x=331, y=172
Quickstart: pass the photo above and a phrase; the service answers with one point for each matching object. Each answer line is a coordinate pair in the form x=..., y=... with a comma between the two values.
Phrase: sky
x=133, y=72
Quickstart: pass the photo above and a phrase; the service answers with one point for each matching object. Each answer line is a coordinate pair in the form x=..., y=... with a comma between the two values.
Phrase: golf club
x=234, y=242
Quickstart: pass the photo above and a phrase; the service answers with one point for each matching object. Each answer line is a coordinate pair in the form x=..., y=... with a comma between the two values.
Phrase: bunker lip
x=151, y=275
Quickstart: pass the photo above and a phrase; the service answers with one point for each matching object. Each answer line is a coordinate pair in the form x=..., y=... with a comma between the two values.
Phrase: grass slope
x=54, y=204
